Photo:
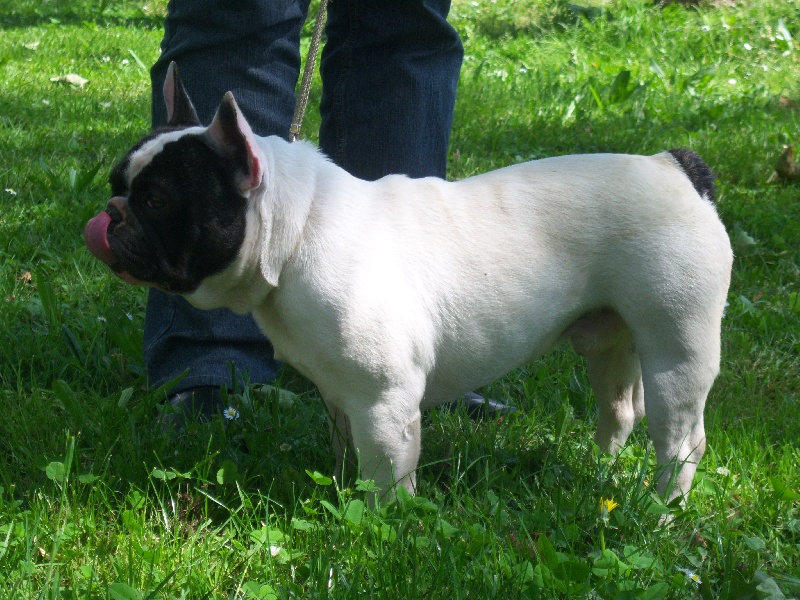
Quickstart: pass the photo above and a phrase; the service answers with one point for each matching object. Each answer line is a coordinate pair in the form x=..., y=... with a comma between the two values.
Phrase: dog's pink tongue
x=96, y=239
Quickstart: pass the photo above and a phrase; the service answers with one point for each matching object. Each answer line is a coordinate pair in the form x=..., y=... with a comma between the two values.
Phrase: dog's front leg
x=387, y=440
x=342, y=443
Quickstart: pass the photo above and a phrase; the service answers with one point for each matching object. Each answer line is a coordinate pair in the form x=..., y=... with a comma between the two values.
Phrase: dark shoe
x=196, y=404
x=478, y=407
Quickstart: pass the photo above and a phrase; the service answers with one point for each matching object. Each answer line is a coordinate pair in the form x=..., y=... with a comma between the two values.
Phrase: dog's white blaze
x=144, y=155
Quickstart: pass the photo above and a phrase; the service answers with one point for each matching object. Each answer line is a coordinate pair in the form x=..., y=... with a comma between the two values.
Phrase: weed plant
x=97, y=501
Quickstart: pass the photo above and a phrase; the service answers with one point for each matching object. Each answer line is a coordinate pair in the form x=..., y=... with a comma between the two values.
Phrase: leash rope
x=308, y=73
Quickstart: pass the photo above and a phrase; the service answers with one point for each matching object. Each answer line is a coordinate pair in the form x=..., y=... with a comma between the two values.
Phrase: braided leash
x=308, y=73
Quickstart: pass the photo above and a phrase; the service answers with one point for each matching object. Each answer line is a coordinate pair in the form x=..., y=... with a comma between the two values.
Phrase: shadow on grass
x=15, y=14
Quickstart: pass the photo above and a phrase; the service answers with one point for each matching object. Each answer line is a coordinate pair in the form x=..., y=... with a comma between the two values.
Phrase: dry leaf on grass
x=785, y=168
x=70, y=79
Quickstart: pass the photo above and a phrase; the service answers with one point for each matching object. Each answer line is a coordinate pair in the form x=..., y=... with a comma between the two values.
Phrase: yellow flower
x=607, y=505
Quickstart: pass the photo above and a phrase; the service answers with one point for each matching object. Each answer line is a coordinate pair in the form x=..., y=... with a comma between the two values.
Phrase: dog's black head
x=179, y=197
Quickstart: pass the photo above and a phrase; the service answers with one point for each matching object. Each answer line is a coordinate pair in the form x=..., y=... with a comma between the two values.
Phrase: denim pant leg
x=252, y=49
x=389, y=74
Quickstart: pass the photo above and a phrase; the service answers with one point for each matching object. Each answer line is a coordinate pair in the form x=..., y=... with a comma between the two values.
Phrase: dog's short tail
x=697, y=171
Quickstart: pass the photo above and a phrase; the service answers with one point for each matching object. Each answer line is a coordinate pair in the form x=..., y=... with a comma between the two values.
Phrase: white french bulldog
x=399, y=294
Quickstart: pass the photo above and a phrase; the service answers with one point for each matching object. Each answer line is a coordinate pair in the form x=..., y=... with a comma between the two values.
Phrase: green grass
x=96, y=502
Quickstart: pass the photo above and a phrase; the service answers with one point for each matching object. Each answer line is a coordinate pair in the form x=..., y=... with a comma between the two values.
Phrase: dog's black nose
x=115, y=211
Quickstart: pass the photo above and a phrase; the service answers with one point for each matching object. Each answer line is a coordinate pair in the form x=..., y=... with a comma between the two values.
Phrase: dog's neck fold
x=285, y=204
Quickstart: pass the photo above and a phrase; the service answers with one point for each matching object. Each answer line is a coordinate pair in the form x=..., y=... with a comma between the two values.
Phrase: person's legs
x=252, y=49
x=389, y=74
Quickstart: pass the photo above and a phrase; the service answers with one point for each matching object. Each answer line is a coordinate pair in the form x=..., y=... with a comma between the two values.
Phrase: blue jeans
x=389, y=73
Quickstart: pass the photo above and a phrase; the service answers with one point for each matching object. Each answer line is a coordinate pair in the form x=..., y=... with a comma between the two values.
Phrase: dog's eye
x=155, y=203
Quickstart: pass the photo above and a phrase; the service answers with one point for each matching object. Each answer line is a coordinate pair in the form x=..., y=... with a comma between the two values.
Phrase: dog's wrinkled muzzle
x=96, y=236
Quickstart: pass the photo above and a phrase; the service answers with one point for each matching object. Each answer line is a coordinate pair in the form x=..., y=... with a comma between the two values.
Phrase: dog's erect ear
x=231, y=136
x=180, y=111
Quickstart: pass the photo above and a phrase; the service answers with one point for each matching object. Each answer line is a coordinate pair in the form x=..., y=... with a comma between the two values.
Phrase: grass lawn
x=96, y=502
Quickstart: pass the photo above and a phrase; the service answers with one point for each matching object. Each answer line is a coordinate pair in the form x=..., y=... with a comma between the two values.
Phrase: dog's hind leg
x=676, y=386
x=616, y=380
x=679, y=349
x=612, y=366
x=670, y=387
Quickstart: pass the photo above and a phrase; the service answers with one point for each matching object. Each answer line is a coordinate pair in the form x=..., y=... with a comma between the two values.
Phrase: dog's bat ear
x=180, y=111
x=230, y=134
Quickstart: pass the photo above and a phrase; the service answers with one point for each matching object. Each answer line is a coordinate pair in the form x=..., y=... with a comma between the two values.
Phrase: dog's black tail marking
x=698, y=173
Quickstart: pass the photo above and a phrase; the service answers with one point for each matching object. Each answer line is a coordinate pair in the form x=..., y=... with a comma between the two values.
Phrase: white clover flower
x=230, y=413
x=691, y=575
x=723, y=471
